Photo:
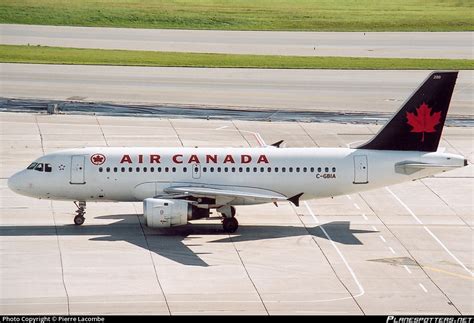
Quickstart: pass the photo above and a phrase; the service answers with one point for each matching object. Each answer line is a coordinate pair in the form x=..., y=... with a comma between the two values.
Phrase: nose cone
x=17, y=183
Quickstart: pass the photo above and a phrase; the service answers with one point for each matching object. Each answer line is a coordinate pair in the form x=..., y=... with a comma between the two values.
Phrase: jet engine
x=161, y=213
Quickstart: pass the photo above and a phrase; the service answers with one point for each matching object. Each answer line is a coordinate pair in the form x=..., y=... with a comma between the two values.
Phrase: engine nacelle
x=160, y=213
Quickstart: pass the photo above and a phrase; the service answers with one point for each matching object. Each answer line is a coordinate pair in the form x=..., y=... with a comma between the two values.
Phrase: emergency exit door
x=78, y=170
x=361, y=170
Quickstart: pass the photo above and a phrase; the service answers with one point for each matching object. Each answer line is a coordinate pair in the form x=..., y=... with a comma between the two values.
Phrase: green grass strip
x=73, y=56
x=309, y=15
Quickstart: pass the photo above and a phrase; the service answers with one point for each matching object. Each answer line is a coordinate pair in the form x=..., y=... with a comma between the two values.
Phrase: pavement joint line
x=306, y=132
x=248, y=274
x=152, y=260
x=423, y=287
x=101, y=130
x=430, y=232
x=40, y=134
x=240, y=132
x=361, y=289
x=411, y=255
x=382, y=238
x=353, y=297
x=176, y=132
x=53, y=213
x=442, y=200
x=393, y=251
x=407, y=269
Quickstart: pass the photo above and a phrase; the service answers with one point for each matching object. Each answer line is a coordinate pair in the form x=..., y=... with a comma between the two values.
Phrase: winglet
x=296, y=199
x=277, y=144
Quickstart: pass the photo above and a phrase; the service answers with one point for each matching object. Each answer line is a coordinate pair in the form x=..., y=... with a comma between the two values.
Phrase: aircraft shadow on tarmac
x=175, y=243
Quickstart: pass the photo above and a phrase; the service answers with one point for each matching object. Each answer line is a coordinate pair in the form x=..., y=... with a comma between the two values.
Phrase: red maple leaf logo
x=423, y=121
x=97, y=159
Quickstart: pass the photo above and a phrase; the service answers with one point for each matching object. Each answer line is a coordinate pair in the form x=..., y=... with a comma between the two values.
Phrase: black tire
x=79, y=220
x=230, y=225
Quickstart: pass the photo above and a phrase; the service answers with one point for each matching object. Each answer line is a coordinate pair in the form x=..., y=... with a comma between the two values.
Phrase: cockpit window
x=48, y=168
x=32, y=165
x=39, y=167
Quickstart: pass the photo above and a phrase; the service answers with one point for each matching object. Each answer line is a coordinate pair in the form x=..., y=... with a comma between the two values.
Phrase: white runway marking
x=423, y=288
x=357, y=206
x=311, y=212
x=365, y=217
x=430, y=233
x=382, y=238
x=391, y=249
x=361, y=289
x=349, y=197
x=407, y=269
x=220, y=128
x=374, y=228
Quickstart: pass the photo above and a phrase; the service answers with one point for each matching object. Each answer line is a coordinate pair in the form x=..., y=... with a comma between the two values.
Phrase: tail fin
x=419, y=122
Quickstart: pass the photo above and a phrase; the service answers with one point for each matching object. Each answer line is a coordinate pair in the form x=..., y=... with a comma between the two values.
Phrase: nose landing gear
x=81, y=210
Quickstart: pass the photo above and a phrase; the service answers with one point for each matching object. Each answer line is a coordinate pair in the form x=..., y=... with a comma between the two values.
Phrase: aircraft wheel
x=230, y=225
x=79, y=219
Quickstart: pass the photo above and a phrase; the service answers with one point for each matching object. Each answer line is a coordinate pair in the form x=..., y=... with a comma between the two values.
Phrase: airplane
x=178, y=184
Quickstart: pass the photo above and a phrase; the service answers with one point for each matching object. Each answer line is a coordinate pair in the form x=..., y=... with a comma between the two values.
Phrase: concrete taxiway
x=405, y=249
x=310, y=90
x=357, y=44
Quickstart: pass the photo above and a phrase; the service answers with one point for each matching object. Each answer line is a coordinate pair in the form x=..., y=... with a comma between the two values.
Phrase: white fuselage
x=134, y=174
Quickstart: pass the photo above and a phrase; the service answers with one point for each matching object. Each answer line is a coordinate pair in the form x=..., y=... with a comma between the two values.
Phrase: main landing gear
x=81, y=210
x=229, y=222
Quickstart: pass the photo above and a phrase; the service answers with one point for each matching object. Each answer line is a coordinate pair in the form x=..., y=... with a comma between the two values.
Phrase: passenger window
x=334, y=169
x=167, y=169
x=290, y=169
x=262, y=169
x=204, y=169
x=211, y=169
x=152, y=169
x=240, y=169
x=276, y=169
x=326, y=169
x=39, y=167
x=107, y=169
x=218, y=169
x=255, y=169
x=48, y=168
x=185, y=169
x=123, y=169
x=297, y=169
x=226, y=169
x=32, y=165
x=144, y=169
x=137, y=169
x=305, y=169
x=173, y=169
x=158, y=169
x=319, y=169
x=130, y=169
x=283, y=169
x=101, y=169
x=233, y=169
x=269, y=169
x=312, y=170
x=115, y=169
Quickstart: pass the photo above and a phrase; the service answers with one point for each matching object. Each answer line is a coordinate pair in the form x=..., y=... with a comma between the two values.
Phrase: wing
x=227, y=195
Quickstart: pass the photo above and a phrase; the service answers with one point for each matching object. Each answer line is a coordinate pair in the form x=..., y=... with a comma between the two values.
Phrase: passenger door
x=78, y=170
x=361, y=170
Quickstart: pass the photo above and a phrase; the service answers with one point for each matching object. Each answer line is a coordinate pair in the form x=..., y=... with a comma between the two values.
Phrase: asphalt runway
x=406, y=249
x=370, y=44
x=251, y=89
